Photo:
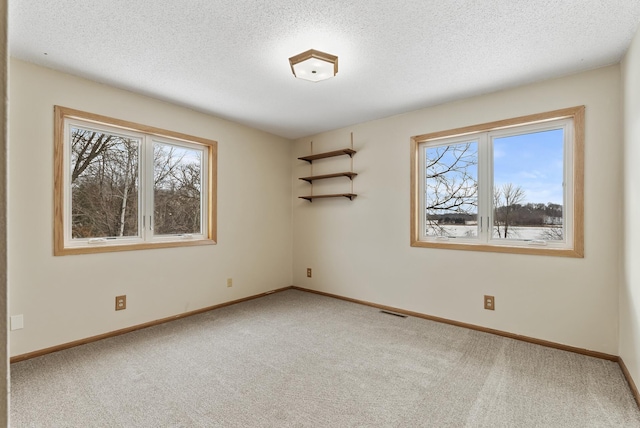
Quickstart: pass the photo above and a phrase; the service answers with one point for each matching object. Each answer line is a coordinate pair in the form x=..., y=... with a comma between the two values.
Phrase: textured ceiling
x=230, y=58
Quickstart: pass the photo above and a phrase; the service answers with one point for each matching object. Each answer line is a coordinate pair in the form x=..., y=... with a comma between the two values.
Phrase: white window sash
x=146, y=220
x=486, y=183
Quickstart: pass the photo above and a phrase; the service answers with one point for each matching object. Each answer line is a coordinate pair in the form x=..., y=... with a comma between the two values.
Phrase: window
x=123, y=186
x=510, y=186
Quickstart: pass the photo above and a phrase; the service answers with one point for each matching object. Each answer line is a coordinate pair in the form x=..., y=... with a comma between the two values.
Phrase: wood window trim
x=62, y=113
x=577, y=114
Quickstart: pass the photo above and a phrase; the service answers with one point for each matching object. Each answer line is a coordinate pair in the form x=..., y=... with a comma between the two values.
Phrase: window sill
x=540, y=251
x=94, y=249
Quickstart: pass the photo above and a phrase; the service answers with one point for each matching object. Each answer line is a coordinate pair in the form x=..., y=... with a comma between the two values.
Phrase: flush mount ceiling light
x=314, y=65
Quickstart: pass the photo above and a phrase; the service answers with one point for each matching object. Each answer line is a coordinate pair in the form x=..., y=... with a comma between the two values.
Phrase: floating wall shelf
x=349, y=196
x=349, y=174
x=311, y=158
x=322, y=177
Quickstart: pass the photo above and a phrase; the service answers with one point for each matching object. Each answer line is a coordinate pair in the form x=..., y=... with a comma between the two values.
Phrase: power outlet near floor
x=229, y=282
x=121, y=303
x=308, y=272
x=490, y=303
x=16, y=322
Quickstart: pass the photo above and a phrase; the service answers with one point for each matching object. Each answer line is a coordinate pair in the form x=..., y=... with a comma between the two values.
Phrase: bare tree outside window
x=105, y=180
x=507, y=201
x=451, y=188
x=512, y=186
x=451, y=200
x=552, y=233
x=177, y=189
x=123, y=186
x=104, y=184
x=512, y=217
x=526, y=167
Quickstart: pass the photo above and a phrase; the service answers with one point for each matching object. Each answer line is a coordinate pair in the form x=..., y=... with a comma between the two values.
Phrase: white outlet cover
x=17, y=322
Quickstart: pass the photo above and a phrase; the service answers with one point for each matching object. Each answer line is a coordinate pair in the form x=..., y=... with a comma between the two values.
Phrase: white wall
x=72, y=297
x=630, y=281
x=361, y=249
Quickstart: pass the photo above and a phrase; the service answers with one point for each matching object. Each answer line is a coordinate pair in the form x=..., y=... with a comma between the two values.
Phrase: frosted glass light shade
x=314, y=65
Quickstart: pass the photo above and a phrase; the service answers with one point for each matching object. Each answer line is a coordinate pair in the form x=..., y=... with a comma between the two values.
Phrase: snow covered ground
x=523, y=233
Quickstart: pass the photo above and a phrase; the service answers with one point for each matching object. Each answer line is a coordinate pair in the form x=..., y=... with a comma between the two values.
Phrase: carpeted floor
x=295, y=359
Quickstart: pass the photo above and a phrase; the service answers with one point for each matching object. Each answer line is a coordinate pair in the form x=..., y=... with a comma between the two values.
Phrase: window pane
x=177, y=189
x=104, y=184
x=528, y=191
x=451, y=190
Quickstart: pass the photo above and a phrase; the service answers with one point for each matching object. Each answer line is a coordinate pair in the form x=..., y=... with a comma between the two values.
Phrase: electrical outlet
x=490, y=303
x=121, y=303
x=229, y=282
x=16, y=322
x=308, y=272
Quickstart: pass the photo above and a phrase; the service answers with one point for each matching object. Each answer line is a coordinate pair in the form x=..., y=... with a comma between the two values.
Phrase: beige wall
x=630, y=281
x=72, y=297
x=4, y=361
x=361, y=249
x=357, y=249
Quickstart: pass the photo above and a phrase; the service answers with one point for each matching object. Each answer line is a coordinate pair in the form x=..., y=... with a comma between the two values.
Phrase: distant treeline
x=531, y=214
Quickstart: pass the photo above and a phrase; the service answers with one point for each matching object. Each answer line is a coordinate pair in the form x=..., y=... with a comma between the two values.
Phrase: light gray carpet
x=295, y=359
